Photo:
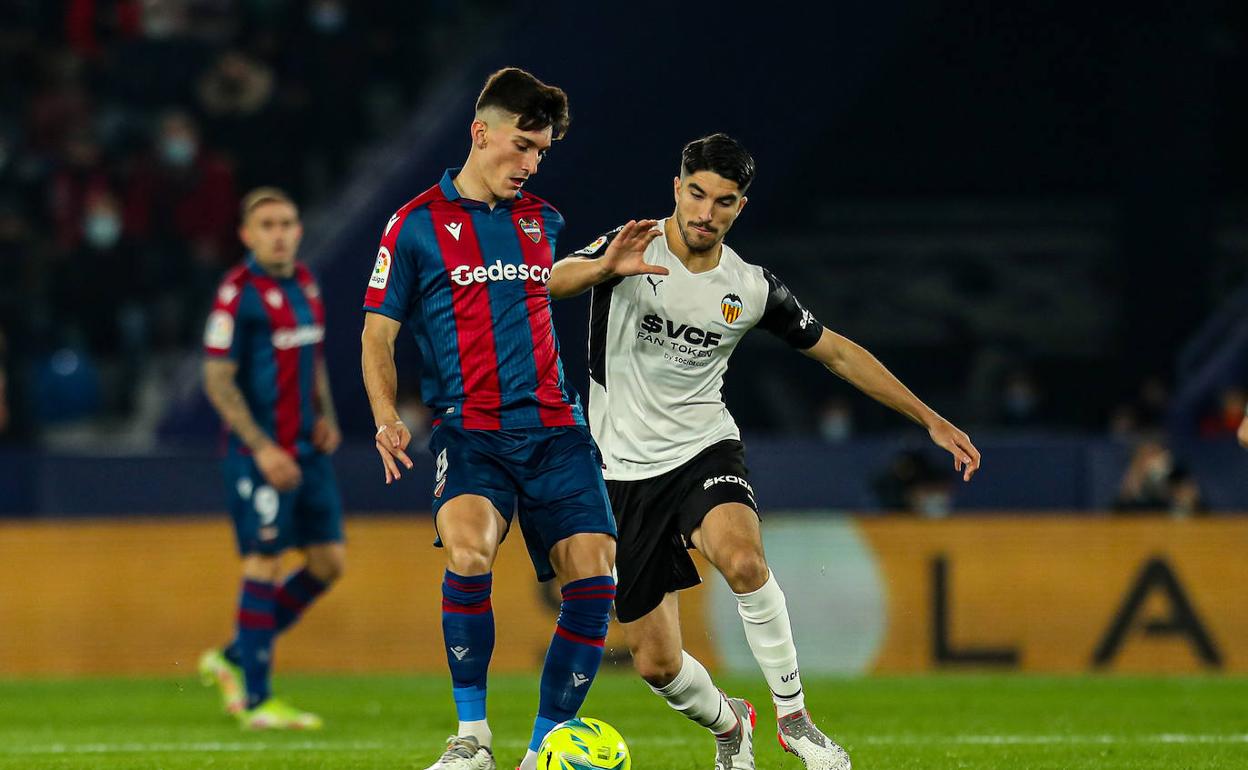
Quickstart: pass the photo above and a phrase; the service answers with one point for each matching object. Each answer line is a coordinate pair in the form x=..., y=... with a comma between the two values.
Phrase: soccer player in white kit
x=670, y=302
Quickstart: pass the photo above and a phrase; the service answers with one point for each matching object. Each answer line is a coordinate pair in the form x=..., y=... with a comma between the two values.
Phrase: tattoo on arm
x=227, y=399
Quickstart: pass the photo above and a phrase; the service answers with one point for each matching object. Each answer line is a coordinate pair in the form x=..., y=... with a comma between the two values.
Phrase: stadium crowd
x=136, y=126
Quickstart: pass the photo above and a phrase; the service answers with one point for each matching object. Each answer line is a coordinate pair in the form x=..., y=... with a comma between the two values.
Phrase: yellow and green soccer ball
x=583, y=744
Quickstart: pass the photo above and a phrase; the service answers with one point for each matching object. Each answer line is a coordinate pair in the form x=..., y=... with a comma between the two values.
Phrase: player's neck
x=277, y=269
x=694, y=261
x=472, y=186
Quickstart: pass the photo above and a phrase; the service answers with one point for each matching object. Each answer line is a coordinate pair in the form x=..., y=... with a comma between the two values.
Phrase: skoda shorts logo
x=439, y=481
x=531, y=228
x=731, y=307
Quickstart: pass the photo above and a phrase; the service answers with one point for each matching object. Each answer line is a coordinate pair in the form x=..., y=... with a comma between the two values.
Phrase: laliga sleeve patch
x=592, y=248
x=219, y=334
x=381, y=270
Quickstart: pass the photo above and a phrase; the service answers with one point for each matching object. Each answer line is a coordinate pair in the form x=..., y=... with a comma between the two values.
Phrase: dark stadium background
x=1034, y=215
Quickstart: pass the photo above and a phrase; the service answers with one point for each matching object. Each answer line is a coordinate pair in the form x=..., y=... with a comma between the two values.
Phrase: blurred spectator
x=1019, y=400
x=836, y=421
x=90, y=25
x=914, y=484
x=181, y=203
x=1152, y=403
x=81, y=177
x=1185, y=497
x=236, y=100
x=1224, y=421
x=58, y=107
x=160, y=66
x=1154, y=482
x=1145, y=415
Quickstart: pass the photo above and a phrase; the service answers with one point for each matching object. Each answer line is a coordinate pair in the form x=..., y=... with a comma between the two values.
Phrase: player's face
x=706, y=206
x=510, y=156
x=272, y=230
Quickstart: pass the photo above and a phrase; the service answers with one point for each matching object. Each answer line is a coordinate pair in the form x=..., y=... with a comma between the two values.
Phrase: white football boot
x=734, y=750
x=463, y=752
x=799, y=736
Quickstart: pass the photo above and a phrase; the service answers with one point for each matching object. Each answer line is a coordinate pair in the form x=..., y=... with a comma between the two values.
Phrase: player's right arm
x=275, y=463
x=222, y=351
x=601, y=261
x=381, y=381
x=388, y=301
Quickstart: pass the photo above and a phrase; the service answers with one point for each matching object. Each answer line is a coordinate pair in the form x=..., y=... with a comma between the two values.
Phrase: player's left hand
x=947, y=436
x=626, y=254
x=326, y=435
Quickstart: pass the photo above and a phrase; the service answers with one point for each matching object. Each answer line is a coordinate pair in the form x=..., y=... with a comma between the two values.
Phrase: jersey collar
x=451, y=193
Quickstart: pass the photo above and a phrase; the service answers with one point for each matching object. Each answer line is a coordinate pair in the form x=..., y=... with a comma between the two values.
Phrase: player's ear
x=479, y=131
x=676, y=188
x=741, y=204
x=243, y=235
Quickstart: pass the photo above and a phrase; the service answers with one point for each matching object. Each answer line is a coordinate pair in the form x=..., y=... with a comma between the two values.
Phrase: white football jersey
x=658, y=349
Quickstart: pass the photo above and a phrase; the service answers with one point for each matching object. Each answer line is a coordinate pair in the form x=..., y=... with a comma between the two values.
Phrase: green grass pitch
x=399, y=721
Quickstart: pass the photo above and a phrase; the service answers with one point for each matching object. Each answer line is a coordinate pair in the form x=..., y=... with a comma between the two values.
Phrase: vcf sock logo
x=786, y=678
x=439, y=481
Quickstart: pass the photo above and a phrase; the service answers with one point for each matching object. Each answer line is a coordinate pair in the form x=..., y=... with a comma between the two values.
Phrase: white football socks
x=766, y=620
x=530, y=760
x=693, y=694
x=479, y=729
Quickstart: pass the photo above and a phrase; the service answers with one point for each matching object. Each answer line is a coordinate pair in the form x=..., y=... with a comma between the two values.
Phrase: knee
x=657, y=668
x=745, y=571
x=261, y=567
x=469, y=559
x=328, y=567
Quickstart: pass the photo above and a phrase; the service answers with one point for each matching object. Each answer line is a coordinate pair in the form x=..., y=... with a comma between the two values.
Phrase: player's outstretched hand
x=625, y=255
x=392, y=439
x=957, y=443
x=326, y=436
x=278, y=468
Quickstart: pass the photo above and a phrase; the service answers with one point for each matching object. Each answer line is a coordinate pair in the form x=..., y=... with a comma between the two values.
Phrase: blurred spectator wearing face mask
x=180, y=203
x=80, y=177
x=836, y=421
x=1020, y=400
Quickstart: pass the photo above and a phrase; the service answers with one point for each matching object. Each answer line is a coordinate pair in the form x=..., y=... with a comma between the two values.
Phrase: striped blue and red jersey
x=470, y=282
x=274, y=329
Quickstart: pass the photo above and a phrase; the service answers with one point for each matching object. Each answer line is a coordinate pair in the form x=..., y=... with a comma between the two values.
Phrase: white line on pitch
x=211, y=747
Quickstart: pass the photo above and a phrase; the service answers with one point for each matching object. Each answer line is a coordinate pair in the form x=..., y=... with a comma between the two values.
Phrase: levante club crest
x=531, y=228
x=731, y=307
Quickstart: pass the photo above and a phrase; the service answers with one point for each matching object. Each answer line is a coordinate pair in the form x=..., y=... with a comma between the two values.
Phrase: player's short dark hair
x=721, y=154
x=538, y=105
x=260, y=196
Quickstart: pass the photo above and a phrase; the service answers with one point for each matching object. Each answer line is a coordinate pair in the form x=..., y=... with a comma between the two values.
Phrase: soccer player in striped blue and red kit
x=464, y=265
x=265, y=374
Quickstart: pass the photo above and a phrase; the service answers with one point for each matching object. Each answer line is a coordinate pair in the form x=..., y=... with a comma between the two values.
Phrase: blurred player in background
x=669, y=306
x=265, y=374
x=465, y=265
